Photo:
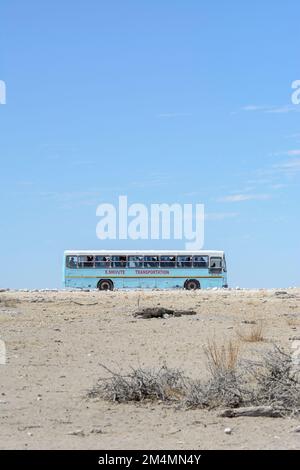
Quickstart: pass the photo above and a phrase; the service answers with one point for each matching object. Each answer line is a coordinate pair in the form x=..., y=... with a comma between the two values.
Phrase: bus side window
x=180, y=261
x=102, y=262
x=86, y=261
x=119, y=261
x=132, y=261
x=99, y=262
x=151, y=262
x=115, y=262
x=71, y=262
x=200, y=261
x=81, y=261
x=154, y=262
x=167, y=261
x=184, y=261
x=216, y=263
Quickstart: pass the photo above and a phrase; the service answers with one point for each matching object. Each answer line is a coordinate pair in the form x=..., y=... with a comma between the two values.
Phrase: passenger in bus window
x=89, y=262
x=72, y=263
x=122, y=262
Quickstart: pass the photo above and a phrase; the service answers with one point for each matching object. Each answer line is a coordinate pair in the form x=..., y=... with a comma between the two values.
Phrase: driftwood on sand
x=252, y=411
x=160, y=312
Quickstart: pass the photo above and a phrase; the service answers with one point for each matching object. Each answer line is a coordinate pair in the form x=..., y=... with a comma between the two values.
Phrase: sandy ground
x=56, y=341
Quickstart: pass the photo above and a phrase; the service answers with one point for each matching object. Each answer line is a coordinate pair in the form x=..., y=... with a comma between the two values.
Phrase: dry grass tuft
x=223, y=356
x=254, y=335
x=293, y=321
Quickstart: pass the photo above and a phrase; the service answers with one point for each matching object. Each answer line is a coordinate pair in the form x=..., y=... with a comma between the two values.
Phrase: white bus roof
x=143, y=252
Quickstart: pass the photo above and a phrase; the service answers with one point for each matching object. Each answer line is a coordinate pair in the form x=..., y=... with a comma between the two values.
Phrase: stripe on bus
x=144, y=277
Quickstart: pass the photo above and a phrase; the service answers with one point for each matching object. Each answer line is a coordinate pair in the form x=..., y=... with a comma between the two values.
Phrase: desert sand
x=57, y=341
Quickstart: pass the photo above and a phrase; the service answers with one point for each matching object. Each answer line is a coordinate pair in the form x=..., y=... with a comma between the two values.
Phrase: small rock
x=297, y=429
x=227, y=430
x=78, y=432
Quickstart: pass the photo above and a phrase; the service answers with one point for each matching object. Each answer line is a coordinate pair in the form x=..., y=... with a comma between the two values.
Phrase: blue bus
x=108, y=270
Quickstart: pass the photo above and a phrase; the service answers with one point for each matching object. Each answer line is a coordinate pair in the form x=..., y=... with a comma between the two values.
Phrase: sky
x=166, y=102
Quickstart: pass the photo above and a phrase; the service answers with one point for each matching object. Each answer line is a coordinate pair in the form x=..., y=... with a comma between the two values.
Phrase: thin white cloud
x=271, y=109
x=290, y=166
x=253, y=107
x=282, y=109
x=245, y=197
x=288, y=153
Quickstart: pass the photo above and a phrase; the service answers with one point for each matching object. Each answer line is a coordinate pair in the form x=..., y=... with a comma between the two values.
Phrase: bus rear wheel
x=105, y=284
x=192, y=284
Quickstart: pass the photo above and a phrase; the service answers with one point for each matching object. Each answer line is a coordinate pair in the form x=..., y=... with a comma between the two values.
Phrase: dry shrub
x=224, y=388
x=273, y=382
x=254, y=335
x=225, y=385
x=277, y=383
x=164, y=384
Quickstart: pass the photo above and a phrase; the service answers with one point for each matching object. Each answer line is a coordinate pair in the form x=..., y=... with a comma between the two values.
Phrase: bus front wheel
x=191, y=284
x=105, y=284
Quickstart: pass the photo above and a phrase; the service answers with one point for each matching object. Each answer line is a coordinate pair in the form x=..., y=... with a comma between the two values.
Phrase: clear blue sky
x=164, y=101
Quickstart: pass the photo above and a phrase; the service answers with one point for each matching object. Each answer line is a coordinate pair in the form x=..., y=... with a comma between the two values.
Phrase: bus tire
x=105, y=284
x=192, y=284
